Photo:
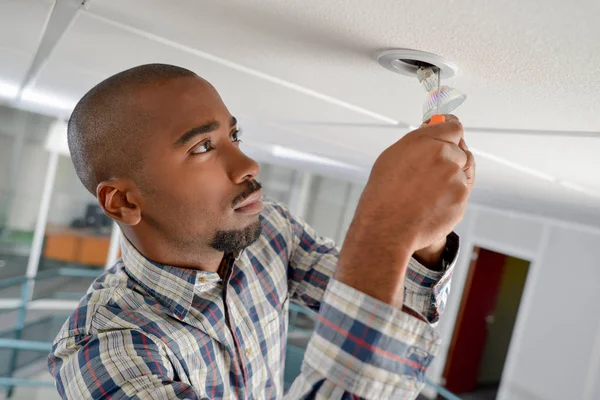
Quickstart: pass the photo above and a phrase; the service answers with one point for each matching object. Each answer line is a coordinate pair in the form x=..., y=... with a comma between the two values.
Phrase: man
x=197, y=306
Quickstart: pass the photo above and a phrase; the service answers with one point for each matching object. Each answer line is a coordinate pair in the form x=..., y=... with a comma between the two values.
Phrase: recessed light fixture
x=429, y=69
x=407, y=62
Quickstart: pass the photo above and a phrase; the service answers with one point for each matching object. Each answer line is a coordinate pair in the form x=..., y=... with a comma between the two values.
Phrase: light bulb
x=449, y=97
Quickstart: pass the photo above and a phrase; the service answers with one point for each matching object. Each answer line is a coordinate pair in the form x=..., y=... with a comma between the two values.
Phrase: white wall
x=326, y=206
x=20, y=203
x=554, y=355
x=557, y=329
x=30, y=184
x=69, y=197
x=6, y=144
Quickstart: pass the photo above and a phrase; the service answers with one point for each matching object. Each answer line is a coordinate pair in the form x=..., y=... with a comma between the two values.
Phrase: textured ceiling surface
x=533, y=64
x=303, y=74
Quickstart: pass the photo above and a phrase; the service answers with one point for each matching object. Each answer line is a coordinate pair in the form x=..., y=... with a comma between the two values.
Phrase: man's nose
x=240, y=167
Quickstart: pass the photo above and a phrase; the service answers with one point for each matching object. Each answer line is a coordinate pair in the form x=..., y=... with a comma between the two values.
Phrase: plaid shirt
x=150, y=331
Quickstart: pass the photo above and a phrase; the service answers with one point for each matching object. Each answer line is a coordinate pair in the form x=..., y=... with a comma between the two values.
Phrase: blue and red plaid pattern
x=151, y=331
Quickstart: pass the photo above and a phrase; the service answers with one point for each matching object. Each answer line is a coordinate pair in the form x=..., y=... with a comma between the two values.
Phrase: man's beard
x=235, y=241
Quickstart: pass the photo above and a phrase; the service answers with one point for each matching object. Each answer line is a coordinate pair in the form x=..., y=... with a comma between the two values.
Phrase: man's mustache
x=252, y=186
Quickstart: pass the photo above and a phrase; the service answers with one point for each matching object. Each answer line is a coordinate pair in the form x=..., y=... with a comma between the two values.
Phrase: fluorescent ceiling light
x=580, y=189
x=291, y=154
x=47, y=100
x=514, y=165
x=8, y=90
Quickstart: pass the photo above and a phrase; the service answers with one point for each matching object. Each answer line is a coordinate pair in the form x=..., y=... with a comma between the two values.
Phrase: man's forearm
x=374, y=263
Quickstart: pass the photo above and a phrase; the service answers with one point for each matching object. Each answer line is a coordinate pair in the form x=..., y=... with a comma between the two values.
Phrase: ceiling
x=303, y=75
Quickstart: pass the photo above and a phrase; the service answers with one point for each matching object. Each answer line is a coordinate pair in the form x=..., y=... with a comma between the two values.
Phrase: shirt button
x=203, y=279
x=248, y=352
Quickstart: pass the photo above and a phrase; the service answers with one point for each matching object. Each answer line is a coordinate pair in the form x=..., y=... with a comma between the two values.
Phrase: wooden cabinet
x=76, y=246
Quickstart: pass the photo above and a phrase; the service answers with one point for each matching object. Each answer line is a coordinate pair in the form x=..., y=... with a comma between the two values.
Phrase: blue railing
x=17, y=344
x=8, y=382
x=52, y=273
x=448, y=395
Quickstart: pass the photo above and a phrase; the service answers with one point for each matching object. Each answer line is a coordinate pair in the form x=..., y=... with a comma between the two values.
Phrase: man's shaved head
x=109, y=122
x=161, y=151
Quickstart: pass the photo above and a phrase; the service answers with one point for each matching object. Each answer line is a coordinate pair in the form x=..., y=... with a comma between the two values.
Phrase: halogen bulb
x=449, y=97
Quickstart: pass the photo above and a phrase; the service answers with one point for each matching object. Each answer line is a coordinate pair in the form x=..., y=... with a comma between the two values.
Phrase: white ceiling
x=303, y=74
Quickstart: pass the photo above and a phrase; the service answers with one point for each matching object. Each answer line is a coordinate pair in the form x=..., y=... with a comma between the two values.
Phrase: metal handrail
x=53, y=273
x=21, y=344
x=13, y=382
x=448, y=395
x=15, y=281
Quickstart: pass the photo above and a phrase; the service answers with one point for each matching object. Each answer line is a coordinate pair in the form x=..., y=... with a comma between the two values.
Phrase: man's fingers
x=455, y=154
x=448, y=117
x=469, y=166
x=450, y=131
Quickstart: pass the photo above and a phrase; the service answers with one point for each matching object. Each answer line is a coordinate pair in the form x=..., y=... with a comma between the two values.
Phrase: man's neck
x=165, y=253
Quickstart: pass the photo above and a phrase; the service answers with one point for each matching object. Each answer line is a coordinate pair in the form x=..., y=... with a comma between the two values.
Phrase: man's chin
x=236, y=240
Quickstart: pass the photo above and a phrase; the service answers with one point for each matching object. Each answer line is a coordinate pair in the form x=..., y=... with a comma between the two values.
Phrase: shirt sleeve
x=313, y=259
x=121, y=364
x=364, y=348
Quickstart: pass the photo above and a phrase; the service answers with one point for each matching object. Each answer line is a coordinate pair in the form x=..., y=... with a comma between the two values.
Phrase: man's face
x=198, y=188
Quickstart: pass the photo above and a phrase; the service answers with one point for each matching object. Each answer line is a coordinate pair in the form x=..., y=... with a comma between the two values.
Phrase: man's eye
x=203, y=147
x=236, y=136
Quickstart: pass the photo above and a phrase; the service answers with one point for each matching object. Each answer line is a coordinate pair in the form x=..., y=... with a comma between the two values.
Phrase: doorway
x=484, y=324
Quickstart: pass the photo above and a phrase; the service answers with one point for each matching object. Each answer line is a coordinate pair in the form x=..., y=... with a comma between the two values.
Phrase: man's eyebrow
x=200, y=130
x=233, y=122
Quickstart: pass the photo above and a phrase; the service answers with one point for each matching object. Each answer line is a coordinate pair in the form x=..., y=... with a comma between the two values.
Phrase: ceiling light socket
x=407, y=62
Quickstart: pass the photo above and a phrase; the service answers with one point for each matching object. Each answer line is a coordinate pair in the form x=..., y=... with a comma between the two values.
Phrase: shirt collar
x=172, y=287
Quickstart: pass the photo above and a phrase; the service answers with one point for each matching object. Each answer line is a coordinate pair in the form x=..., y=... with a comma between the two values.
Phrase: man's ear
x=120, y=201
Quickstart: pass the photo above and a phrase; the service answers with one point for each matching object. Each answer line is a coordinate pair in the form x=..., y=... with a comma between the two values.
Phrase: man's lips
x=253, y=198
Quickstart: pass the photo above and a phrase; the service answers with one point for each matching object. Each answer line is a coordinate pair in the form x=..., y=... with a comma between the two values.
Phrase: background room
x=317, y=108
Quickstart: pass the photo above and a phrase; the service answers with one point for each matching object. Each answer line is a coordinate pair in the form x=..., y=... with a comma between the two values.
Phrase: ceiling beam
x=59, y=21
